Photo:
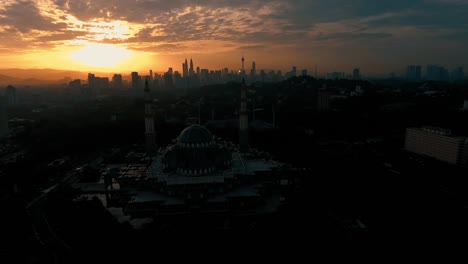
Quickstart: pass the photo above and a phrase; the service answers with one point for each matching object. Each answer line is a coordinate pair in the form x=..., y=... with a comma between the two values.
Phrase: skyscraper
x=191, y=71
x=243, y=120
x=10, y=94
x=458, y=74
x=150, y=133
x=243, y=66
x=357, y=74
x=3, y=117
x=91, y=81
x=413, y=73
x=136, y=80
x=436, y=73
x=185, y=71
x=117, y=81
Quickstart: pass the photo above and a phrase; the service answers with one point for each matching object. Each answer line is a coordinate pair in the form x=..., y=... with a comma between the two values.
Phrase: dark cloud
x=171, y=26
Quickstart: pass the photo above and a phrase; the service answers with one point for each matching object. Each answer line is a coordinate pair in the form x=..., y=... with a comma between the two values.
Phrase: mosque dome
x=195, y=136
x=196, y=154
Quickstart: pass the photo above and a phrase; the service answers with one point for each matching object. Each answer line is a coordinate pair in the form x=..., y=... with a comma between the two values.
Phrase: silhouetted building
x=3, y=117
x=458, y=74
x=413, y=73
x=185, y=69
x=253, y=71
x=117, y=81
x=437, y=143
x=304, y=72
x=10, y=94
x=243, y=120
x=136, y=80
x=357, y=74
x=75, y=84
x=91, y=81
x=191, y=69
x=336, y=75
x=323, y=100
x=169, y=79
x=436, y=73
x=149, y=120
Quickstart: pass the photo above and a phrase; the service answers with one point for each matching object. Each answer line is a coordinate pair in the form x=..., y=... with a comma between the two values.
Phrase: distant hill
x=43, y=76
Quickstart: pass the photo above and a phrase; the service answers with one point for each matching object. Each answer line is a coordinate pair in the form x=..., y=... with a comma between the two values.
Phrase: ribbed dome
x=195, y=134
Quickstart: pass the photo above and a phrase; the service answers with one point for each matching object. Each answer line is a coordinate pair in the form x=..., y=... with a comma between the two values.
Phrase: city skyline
x=120, y=36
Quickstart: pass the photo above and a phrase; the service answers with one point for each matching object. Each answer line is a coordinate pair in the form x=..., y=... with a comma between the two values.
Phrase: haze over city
x=131, y=128
x=124, y=36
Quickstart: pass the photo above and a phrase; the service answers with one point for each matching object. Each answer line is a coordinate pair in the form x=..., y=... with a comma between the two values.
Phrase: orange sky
x=138, y=35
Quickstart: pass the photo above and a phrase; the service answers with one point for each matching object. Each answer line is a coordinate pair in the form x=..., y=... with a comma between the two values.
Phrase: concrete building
x=10, y=94
x=150, y=133
x=437, y=143
x=3, y=118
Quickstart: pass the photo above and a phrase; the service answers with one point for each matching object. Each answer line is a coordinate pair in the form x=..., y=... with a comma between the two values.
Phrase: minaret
x=149, y=121
x=244, y=120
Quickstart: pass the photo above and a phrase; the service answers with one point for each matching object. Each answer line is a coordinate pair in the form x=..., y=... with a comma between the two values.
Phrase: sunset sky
x=336, y=35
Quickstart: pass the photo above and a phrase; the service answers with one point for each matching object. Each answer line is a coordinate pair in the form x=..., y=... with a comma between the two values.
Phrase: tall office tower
x=3, y=118
x=198, y=71
x=357, y=74
x=294, y=71
x=117, y=81
x=150, y=133
x=436, y=73
x=191, y=71
x=151, y=77
x=185, y=70
x=458, y=74
x=243, y=120
x=304, y=72
x=136, y=79
x=10, y=94
x=91, y=81
x=243, y=64
x=437, y=143
x=253, y=72
x=413, y=73
x=323, y=99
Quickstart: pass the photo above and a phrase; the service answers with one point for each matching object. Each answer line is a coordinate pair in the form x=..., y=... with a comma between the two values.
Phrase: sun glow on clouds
x=101, y=55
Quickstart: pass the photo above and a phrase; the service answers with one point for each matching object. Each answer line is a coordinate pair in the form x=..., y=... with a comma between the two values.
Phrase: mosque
x=201, y=175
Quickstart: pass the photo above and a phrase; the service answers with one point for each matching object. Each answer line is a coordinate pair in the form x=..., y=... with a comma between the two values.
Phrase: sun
x=101, y=55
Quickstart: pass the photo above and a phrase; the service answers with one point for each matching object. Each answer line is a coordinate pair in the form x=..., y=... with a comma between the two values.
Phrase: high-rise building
x=169, y=79
x=117, y=81
x=10, y=94
x=3, y=118
x=304, y=72
x=323, y=100
x=253, y=71
x=185, y=69
x=243, y=65
x=357, y=74
x=91, y=81
x=191, y=70
x=458, y=74
x=413, y=73
x=437, y=143
x=136, y=80
x=436, y=73
x=243, y=120
x=150, y=133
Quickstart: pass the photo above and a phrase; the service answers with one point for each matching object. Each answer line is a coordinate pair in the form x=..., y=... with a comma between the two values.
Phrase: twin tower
x=150, y=132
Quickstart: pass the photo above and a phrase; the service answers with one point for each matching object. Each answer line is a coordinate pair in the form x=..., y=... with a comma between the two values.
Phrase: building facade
x=437, y=143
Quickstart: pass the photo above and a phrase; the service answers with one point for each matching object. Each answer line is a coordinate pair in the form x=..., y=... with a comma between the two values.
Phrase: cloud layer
x=365, y=30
